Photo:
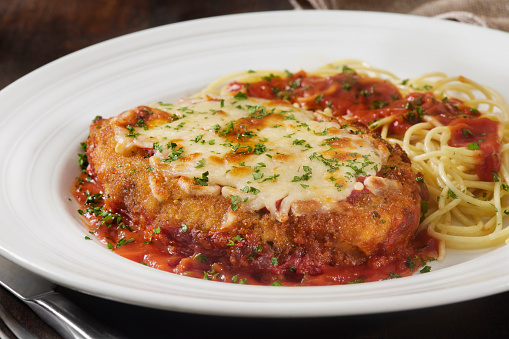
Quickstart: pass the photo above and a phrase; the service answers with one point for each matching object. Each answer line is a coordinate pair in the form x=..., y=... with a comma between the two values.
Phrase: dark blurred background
x=35, y=32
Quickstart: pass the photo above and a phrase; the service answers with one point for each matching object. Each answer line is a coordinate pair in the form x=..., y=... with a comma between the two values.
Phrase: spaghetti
x=454, y=130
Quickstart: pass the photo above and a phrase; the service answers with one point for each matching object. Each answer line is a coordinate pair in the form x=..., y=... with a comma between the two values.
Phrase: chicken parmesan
x=247, y=190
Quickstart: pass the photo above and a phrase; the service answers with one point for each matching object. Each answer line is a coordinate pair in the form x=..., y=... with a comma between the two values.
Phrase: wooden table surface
x=35, y=32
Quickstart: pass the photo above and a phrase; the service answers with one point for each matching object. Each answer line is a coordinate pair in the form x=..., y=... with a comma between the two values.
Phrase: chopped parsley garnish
x=240, y=96
x=234, y=240
x=200, y=257
x=204, y=180
x=93, y=198
x=83, y=161
x=141, y=123
x=184, y=227
x=235, y=202
x=250, y=189
x=331, y=163
x=305, y=176
x=319, y=98
x=358, y=280
x=244, y=135
x=424, y=209
x=179, y=126
x=409, y=263
x=393, y=276
x=270, y=77
x=288, y=73
x=229, y=128
x=198, y=138
x=260, y=148
x=473, y=146
x=175, y=152
x=324, y=132
x=347, y=69
x=257, y=176
x=256, y=112
x=451, y=194
x=201, y=163
x=425, y=269
x=132, y=132
x=467, y=133
x=259, y=166
x=273, y=178
x=157, y=147
x=124, y=241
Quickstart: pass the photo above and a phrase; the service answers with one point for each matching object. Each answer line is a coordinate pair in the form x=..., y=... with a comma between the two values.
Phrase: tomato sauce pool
x=115, y=232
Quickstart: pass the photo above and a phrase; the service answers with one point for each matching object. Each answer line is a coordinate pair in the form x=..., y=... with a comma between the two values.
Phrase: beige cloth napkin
x=486, y=13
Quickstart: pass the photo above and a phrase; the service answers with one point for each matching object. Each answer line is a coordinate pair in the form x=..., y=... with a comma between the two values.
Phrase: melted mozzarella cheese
x=258, y=153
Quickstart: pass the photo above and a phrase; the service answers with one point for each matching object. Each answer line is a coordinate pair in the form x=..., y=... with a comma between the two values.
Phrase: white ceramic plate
x=45, y=115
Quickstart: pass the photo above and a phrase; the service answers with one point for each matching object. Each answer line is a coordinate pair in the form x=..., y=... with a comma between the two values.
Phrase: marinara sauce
x=182, y=251
x=479, y=134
